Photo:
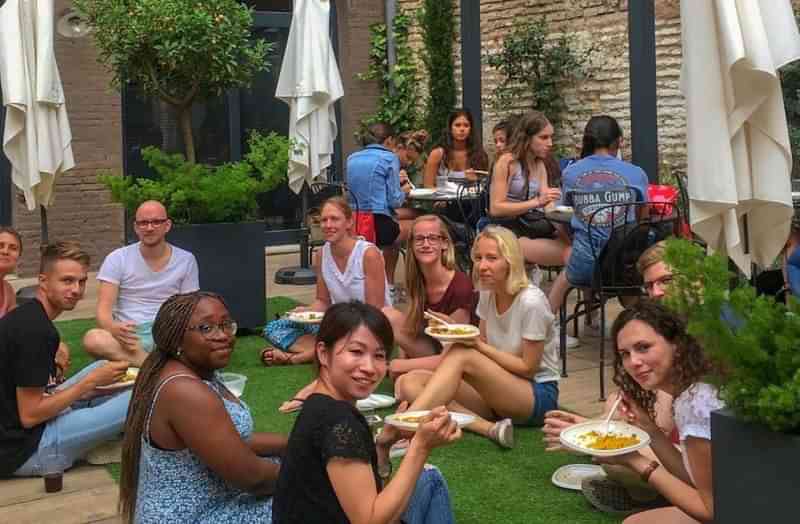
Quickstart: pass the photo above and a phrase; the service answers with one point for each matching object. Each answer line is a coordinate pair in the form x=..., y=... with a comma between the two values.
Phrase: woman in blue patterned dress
x=174, y=468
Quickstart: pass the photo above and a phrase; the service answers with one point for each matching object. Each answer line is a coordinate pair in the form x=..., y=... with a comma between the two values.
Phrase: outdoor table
x=444, y=196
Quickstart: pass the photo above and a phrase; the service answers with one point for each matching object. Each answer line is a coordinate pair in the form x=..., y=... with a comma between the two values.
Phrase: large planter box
x=231, y=262
x=755, y=472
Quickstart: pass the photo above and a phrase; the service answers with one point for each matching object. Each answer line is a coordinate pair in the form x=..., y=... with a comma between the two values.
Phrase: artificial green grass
x=486, y=484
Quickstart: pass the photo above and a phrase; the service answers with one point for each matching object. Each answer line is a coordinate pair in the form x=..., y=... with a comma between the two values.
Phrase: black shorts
x=386, y=230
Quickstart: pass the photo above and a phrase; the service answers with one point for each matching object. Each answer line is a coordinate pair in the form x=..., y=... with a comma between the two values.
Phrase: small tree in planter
x=756, y=449
x=215, y=211
x=181, y=51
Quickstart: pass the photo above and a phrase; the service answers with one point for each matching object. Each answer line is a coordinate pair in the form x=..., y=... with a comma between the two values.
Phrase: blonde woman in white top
x=509, y=375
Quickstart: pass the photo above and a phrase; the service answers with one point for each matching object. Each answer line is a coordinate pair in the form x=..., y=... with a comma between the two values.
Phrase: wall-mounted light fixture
x=71, y=24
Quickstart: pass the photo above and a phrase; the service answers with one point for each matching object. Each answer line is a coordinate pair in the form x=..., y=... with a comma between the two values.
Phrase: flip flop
x=293, y=408
x=283, y=361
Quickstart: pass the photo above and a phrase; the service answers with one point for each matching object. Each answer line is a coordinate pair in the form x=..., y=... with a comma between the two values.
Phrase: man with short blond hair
x=134, y=281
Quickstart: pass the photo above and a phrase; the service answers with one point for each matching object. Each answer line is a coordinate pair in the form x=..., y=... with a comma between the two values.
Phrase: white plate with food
x=305, y=317
x=591, y=438
x=564, y=209
x=409, y=420
x=127, y=380
x=375, y=401
x=453, y=332
x=571, y=476
x=421, y=192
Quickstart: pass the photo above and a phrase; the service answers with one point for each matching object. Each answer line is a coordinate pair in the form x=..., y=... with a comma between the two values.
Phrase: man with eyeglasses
x=134, y=281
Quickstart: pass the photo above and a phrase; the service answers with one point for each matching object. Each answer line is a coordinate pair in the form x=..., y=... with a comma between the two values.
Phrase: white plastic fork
x=611, y=414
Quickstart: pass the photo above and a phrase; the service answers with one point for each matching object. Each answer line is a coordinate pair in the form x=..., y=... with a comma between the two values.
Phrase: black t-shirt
x=28, y=344
x=326, y=428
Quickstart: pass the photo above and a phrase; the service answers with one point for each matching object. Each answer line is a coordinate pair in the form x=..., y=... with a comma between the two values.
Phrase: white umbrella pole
x=45, y=233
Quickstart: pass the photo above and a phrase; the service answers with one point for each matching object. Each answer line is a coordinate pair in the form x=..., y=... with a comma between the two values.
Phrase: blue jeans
x=79, y=428
x=430, y=502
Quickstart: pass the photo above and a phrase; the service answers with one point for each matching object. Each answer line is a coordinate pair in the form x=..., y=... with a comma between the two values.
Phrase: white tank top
x=349, y=285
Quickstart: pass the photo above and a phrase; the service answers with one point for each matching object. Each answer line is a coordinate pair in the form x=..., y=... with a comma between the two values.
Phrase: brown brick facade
x=83, y=209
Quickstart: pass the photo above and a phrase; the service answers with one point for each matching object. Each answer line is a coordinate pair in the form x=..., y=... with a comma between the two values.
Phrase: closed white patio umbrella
x=37, y=138
x=739, y=157
x=310, y=84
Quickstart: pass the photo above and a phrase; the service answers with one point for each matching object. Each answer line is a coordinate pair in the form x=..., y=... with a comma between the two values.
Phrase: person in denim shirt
x=373, y=177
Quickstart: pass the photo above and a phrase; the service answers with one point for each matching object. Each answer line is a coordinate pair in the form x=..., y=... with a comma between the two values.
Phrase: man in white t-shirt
x=134, y=281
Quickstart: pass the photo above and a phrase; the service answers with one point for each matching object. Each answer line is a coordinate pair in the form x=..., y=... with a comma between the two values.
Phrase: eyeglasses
x=228, y=327
x=660, y=282
x=434, y=240
x=156, y=222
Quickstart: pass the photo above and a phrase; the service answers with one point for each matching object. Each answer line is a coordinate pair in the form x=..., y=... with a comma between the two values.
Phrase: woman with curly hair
x=653, y=352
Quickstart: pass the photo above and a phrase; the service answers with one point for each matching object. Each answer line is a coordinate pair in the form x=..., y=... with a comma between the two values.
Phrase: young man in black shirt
x=36, y=418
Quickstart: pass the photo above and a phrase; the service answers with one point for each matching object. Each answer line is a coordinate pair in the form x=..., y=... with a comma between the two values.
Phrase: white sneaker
x=503, y=433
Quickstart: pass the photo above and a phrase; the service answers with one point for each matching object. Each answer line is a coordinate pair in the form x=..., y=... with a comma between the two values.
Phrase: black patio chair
x=634, y=227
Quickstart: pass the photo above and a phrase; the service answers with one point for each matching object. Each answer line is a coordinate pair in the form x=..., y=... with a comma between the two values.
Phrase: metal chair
x=634, y=227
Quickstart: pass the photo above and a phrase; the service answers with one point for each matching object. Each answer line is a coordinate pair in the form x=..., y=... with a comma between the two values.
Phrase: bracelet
x=648, y=471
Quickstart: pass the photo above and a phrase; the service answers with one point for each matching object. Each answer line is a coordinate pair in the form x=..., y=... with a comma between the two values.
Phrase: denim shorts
x=580, y=270
x=545, y=398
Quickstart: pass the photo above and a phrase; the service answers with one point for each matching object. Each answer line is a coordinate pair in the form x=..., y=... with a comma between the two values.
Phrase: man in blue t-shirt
x=599, y=179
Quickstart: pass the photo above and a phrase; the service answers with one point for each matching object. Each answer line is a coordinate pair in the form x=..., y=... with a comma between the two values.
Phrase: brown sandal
x=285, y=358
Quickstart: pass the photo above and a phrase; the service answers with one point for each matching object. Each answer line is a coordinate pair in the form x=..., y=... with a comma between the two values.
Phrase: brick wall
x=82, y=208
x=603, y=23
x=361, y=97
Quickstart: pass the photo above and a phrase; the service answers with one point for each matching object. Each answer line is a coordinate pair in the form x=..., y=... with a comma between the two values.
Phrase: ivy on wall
x=436, y=20
x=532, y=66
x=397, y=108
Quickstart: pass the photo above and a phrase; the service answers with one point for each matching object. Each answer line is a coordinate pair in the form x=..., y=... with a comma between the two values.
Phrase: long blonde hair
x=508, y=246
x=415, y=282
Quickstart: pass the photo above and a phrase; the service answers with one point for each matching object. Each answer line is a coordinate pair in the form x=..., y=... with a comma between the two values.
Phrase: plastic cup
x=53, y=472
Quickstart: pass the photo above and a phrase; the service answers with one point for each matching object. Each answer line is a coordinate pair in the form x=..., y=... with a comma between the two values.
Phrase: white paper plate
x=375, y=401
x=462, y=419
x=421, y=192
x=571, y=475
x=474, y=332
x=123, y=384
x=574, y=437
x=563, y=209
x=305, y=317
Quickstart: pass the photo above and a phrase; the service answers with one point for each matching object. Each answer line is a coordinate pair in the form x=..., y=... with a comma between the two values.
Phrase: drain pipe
x=391, y=52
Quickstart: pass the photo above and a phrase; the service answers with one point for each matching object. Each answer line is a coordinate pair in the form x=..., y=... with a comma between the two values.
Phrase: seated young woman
x=173, y=468
x=408, y=147
x=10, y=251
x=522, y=187
x=509, y=375
x=459, y=153
x=653, y=352
x=333, y=470
x=348, y=268
x=433, y=284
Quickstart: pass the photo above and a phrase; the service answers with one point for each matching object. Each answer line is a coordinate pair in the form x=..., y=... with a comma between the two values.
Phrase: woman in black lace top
x=333, y=472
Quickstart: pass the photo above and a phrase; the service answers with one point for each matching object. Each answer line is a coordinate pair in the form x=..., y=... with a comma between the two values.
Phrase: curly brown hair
x=689, y=362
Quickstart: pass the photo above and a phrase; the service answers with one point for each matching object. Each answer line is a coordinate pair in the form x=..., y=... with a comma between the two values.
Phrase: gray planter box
x=231, y=262
x=755, y=472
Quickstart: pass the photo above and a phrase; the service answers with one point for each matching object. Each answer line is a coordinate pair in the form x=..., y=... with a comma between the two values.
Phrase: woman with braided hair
x=173, y=468
x=654, y=352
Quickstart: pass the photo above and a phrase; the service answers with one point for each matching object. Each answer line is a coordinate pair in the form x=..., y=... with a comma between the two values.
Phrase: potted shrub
x=183, y=52
x=216, y=215
x=756, y=452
